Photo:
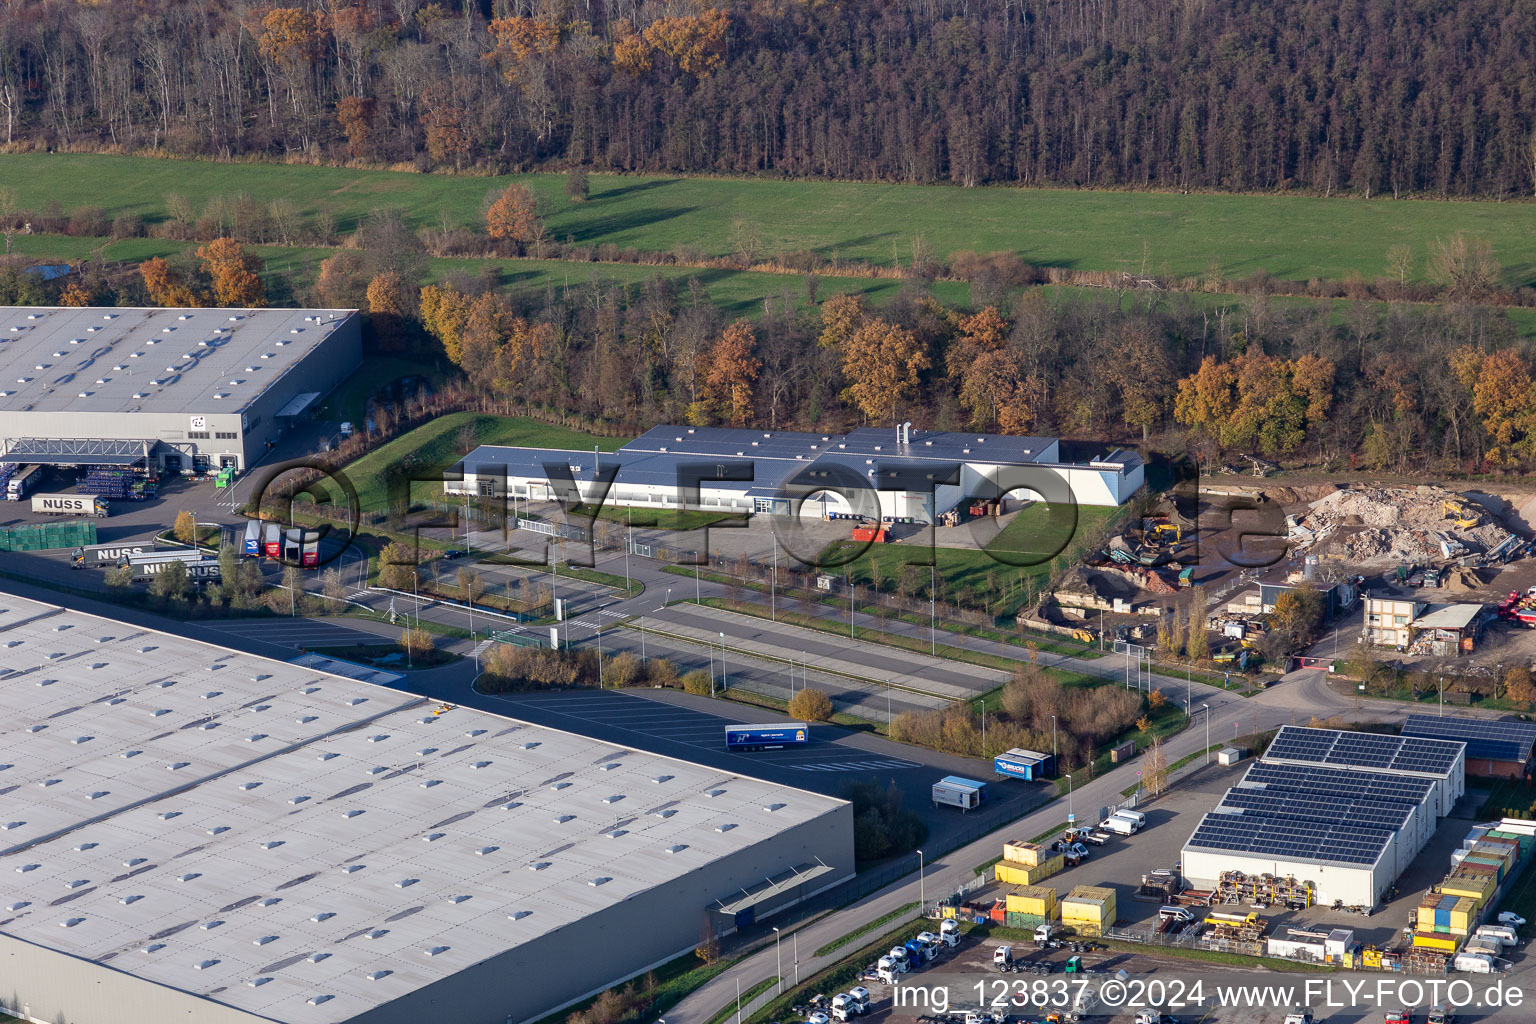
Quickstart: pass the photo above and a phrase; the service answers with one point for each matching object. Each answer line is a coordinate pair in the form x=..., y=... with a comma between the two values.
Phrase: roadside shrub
x=810, y=705
x=698, y=682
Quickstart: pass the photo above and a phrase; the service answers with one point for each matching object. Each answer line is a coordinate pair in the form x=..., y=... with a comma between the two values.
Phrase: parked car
x=453, y=553
x=1509, y=916
x=1398, y=1017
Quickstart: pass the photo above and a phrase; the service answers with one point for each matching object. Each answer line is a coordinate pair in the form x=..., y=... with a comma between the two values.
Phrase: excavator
x=1460, y=514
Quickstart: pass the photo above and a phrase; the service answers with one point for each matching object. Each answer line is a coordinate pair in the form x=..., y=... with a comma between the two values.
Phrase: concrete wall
x=1356, y=886
x=322, y=369
x=590, y=955
x=49, y=986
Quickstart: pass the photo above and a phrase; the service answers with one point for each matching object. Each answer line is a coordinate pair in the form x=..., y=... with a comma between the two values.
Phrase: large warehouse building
x=173, y=390
x=1495, y=748
x=897, y=476
x=1346, y=811
x=192, y=833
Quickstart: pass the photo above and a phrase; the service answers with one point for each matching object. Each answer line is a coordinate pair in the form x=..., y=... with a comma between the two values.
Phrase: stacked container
x=1030, y=905
x=1089, y=910
x=1020, y=874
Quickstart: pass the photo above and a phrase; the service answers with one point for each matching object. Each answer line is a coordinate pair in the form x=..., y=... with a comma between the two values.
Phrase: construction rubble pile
x=1398, y=525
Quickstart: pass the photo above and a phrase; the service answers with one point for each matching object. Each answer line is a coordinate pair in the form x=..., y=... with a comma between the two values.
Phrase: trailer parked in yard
x=766, y=737
x=22, y=482
x=252, y=546
x=953, y=791
x=70, y=505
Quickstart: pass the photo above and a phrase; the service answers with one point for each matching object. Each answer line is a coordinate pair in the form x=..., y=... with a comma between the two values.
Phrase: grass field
x=1013, y=563
x=433, y=447
x=1295, y=237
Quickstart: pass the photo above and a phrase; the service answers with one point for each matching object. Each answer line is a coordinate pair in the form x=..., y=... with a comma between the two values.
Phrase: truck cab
x=843, y=1007
x=930, y=943
x=886, y=970
x=860, y=996
x=901, y=958
x=949, y=933
x=917, y=953
x=1002, y=956
x=1043, y=933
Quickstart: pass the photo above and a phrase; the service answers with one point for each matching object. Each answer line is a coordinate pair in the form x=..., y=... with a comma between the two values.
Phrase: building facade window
x=197, y=435
x=225, y=435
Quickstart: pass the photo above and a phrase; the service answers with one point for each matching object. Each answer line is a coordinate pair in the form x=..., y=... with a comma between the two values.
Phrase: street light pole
x=922, y=893
x=597, y=628
x=848, y=579
x=983, y=704
x=1207, y=732
x=725, y=682
x=779, y=961
x=933, y=643
x=794, y=939
x=773, y=582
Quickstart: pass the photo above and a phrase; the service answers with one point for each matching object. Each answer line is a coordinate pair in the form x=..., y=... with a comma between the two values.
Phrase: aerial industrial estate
x=721, y=512
x=250, y=790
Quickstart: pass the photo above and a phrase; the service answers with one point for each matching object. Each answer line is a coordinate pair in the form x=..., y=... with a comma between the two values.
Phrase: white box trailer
x=70, y=505
x=200, y=568
x=954, y=791
x=22, y=481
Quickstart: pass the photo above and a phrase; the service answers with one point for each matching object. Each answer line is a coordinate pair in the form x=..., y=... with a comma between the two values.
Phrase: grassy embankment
x=1291, y=237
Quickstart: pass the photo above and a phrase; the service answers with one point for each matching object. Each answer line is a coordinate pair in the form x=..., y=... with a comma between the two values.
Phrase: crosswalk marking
x=852, y=766
x=482, y=647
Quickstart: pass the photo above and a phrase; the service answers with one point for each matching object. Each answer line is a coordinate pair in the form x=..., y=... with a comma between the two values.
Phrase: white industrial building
x=173, y=390
x=192, y=833
x=895, y=476
x=1346, y=811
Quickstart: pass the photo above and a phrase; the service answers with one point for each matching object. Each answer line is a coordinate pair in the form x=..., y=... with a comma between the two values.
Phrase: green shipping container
x=48, y=536
x=1023, y=922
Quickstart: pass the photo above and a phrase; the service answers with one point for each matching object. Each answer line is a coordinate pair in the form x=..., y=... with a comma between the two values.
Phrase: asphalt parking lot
x=692, y=728
x=299, y=632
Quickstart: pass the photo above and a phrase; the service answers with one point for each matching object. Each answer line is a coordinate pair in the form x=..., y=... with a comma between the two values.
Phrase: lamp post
x=773, y=582
x=983, y=704
x=1071, y=818
x=922, y=893
x=629, y=542
x=1207, y=732
x=778, y=960
x=725, y=682
x=794, y=941
x=848, y=580
x=597, y=627
x=933, y=643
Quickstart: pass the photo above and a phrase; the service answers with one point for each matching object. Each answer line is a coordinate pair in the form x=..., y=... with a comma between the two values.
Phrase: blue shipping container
x=765, y=737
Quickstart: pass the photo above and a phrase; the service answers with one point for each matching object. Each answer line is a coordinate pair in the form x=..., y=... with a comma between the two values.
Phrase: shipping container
x=1023, y=922
x=1016, y=851
x=1018, y=874
x=1431, y=940
x=954, y=791
x=1032, y=899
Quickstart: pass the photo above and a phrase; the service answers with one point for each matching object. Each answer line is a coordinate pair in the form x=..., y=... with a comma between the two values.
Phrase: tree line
x=1374, y=96
x=1388, y=387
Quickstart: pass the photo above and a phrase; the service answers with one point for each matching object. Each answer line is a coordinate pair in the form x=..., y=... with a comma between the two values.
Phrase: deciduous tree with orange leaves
x=841, y=315
x=883, y=363
x=730, y=374
x=519, y=40
x=234, y=273
x=356, y=117
x=165, y=286
x=1504, y=399
x=75, y=295
x=444, y=312
x=695, y=42
x=514, y=216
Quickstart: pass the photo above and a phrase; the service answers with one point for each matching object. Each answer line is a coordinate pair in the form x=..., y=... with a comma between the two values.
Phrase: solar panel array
x=1340, y=782
x=1498, y=741
x=1288, y=839
x=1364, y=750
x=1317, y=807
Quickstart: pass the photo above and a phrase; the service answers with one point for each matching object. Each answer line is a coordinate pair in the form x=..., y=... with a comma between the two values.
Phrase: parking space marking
x=851, y=766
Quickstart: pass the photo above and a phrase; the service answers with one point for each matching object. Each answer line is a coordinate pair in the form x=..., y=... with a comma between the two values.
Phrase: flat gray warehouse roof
x=110, y=359
x=307, y=847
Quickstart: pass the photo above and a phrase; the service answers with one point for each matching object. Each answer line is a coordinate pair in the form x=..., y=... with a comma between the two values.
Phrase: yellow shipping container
x=1099, y=895
x=1463, y=916
x=1431, y=940
x=1038, y=900
x=1088, y=929
x=1477, y=887
x=1018, y=874
x=1019, y=852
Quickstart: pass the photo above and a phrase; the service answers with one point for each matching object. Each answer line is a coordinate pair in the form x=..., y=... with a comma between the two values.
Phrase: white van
x=1475, y=963
x=1136, y=816
x=1120, y=824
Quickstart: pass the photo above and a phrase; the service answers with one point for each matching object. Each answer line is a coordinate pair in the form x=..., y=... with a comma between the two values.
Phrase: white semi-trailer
x=70, y=505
